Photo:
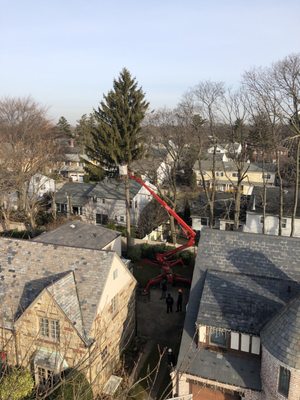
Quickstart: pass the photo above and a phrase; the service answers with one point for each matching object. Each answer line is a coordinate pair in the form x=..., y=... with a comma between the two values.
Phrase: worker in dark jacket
x=169, y=301
x=179, y=301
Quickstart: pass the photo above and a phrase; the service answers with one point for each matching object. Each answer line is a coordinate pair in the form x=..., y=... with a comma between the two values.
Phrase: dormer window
x=218, y=337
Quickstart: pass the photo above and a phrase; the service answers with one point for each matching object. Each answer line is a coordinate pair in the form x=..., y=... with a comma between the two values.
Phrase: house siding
x=254, y=225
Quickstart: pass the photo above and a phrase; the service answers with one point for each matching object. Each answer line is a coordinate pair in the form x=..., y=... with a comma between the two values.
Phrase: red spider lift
x=165, y=259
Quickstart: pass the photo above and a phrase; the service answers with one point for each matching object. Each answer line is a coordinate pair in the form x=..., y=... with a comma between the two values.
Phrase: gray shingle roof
x=281, y=336
x=272, y=201
x=65, y=294
x=255, y=261
x=77, y=191
x=230, y=165
x=242, y=303
x=28, y=267
x=79, y=234
x=113, y=189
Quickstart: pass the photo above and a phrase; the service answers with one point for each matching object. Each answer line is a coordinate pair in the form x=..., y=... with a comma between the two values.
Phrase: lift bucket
x=123, y=171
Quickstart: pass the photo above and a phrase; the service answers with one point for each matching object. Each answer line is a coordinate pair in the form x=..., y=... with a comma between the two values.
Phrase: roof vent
x=289, y=289
x=72, y=226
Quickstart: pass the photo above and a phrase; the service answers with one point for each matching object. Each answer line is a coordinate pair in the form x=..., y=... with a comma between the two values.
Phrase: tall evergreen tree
x=116, y=139
x=64, y=127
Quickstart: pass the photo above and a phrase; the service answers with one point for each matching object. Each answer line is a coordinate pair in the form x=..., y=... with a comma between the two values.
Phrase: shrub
x=135, y=253
x=74, y=386
x=16, y=385
x=187, y=257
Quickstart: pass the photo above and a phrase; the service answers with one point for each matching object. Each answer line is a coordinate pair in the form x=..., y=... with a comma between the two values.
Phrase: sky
x=65, y=54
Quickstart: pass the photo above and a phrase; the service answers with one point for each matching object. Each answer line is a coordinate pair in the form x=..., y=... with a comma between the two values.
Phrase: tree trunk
x=128, y=223
x=296, y=188
x=280, y=214
x=237, y=206
x=173, y=231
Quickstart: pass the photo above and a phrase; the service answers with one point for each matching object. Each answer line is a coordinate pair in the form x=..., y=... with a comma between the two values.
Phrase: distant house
x=227, y=149
x=102, y=202
x=71, y=166
x=80, y=234
x=155, y=167
x=223, y=211
x=255, y=217
x=226, y=175
x=241, y=331
x=72, y=197
x=106, y=202
x=64, y=308
x=40, y=185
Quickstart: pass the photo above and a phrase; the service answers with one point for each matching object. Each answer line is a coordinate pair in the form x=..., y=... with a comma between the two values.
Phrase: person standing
x=179, y=301
x=169, y=301
x=164, y=288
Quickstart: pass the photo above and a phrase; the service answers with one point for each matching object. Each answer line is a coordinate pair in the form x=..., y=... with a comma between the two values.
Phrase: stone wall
x=270, y=375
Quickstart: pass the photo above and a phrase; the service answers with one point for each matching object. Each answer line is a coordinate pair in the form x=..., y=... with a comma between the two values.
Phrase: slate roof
x=272, y=201
x=77, y=191
x=281, y=335
x=224, y=206
x=229, y=166
x=242, y=303
x=113, y=189
x=79, y=234
x=251, y=265
x=28, y=267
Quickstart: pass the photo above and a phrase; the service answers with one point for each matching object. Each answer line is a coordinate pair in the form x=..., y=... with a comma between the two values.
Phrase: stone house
x=226, y=175
x=64, y=308
x=255, y=216
x=242, y=325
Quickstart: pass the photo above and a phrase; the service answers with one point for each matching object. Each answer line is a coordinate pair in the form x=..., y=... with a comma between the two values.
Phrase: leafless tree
x=205, y=100
x=28, y=145
x=275, y=92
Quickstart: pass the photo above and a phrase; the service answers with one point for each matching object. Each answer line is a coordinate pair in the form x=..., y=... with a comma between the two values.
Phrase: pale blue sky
x=66, y=53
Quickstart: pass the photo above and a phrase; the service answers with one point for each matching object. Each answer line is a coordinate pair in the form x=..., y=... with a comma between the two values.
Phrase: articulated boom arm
x=188, y=231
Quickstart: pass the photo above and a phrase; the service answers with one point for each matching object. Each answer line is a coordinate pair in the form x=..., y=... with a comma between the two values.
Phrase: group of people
x=169, y=299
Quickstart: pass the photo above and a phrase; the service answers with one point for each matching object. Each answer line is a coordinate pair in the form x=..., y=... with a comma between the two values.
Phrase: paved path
x=162, y=329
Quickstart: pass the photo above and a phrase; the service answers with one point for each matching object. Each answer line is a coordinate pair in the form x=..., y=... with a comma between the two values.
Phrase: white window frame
x=49, y=328
x=44, y=376
x=283, y=223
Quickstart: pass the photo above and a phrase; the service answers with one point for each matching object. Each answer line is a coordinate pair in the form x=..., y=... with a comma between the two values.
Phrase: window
x=217, y=173
x=266, y=176
x=101, y=219
x=104, y=354
x=49, y=328
x=204, y=221
x=218, y=337
x=284, y=381
x=45, y=376
x=122, y=218
x=103, y=201
x=114, y=305
x=283, y=223
x=135, y=204
x=235, y=174
x=261, y=220
x=221, y=173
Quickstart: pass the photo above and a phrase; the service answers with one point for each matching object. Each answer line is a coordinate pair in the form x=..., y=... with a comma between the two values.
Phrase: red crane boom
x=164, y=259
